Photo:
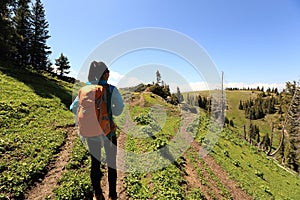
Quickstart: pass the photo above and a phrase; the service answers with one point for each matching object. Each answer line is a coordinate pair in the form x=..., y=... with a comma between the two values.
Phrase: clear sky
x=251, y=41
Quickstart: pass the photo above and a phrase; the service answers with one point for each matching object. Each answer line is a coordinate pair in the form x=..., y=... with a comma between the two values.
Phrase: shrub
x=259, y=174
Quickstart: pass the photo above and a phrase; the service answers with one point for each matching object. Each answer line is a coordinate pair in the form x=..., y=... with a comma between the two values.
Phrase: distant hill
x=257, y=116
x=138, y=88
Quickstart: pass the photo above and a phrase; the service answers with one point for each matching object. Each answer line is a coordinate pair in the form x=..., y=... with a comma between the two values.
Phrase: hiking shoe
x=112, y=197
x=98, y=197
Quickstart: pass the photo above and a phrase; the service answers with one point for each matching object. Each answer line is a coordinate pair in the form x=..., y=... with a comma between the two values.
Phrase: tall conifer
x=39, y=50
x=6, y=29
x=23, y=32
x=63, y=64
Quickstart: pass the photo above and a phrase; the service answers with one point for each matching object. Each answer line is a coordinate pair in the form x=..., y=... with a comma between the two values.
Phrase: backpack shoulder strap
x=99, y=100
x=109, y=102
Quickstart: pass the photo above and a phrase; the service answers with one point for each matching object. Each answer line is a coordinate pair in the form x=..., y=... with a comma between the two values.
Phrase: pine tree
x=280, y=109
x=166, y=91
x=231, y=123
x=276, y=91
x=205, y=103
x=266, y=142
x=6, y=27
x=39, y=49
x=188, y=98
x=200, y=101
x=179, y=95
x=158, y=77
x=49, y=67
x=251, y=131
x=23, y=33
x=293, y=129
x=63, y=65
x=289, y=147
x=241, y=105
x=174, y=99
x=257, y=135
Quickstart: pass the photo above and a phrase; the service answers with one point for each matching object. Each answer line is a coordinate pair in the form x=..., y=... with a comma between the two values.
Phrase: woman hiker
x=94, y=107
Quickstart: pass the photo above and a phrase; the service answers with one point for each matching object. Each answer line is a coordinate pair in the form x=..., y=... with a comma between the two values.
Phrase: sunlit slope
x=33, y=112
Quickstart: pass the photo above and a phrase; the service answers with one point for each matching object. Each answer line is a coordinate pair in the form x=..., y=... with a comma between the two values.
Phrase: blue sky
x=252, y=41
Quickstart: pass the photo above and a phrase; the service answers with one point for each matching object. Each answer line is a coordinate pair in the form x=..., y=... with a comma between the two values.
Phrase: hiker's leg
x=111, y=154
x=95, y=151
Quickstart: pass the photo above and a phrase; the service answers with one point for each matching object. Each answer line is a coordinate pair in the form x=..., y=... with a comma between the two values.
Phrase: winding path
x=44, y=188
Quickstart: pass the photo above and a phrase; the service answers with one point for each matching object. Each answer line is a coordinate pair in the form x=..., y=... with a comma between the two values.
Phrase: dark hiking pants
x=110, y=147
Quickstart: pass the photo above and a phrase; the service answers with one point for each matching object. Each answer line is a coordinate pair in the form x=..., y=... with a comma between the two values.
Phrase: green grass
x=155, y=182
x=33, y=112
x=233, y=99
x=255, y=172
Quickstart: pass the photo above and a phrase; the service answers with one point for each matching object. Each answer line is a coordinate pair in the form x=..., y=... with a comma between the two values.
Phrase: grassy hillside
x=256, y=173
x=33, y=113
x=33, y=119
x=233, y=99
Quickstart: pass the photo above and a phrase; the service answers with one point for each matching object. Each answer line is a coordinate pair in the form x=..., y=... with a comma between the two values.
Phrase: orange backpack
x=94, y=115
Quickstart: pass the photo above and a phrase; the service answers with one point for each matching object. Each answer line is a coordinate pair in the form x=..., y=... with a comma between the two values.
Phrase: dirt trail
x=210, y=189
x=43, y=189
x=120, y=157
x=120, y=163
x=207, y=184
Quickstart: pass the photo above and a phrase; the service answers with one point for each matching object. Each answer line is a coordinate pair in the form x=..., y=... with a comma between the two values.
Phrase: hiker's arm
x=117, y=102
x=74, y=105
